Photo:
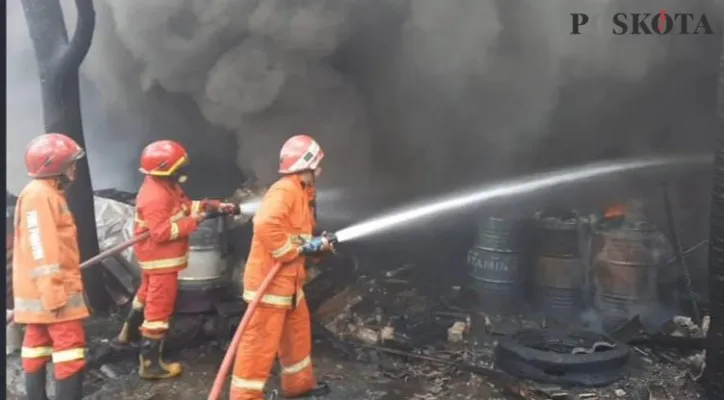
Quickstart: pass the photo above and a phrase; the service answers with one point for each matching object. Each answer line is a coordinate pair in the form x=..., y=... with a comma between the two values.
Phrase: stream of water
x=526, y=185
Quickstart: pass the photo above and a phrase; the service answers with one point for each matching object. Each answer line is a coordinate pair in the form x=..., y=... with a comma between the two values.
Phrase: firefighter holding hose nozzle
x=283, y=227
x=162, y=209
x=47, y=284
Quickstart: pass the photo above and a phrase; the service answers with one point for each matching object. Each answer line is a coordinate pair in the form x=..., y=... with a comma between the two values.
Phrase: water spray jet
x=512, y=188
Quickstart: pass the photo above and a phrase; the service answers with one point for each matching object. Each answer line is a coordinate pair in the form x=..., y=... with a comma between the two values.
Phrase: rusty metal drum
x=625, y=270
x=557, y=234
x=496, y=264
x=559, y=272
x=559, y=284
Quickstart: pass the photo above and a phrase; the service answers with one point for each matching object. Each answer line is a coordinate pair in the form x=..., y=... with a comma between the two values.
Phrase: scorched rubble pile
x=456, y=342
x=447, y=344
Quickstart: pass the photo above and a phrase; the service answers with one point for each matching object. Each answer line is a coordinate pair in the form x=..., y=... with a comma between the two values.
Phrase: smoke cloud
x=421, y=95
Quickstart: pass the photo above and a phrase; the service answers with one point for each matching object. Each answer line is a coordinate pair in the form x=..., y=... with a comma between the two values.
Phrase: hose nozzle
x=331, y=238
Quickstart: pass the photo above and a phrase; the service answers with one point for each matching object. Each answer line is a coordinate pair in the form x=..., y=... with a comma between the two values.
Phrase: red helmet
x=51, y=155
x=163, y=158
x=299, y=153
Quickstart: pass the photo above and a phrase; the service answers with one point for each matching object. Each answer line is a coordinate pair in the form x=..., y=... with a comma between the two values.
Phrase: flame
x=615, y=211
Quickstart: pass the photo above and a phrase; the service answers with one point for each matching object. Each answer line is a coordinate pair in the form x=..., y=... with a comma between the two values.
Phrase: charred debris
x=555, y=304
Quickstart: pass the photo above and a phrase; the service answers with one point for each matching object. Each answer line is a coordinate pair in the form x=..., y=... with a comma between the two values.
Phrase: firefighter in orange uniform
x=47, y=284
x=283, y=227
x=163, y=209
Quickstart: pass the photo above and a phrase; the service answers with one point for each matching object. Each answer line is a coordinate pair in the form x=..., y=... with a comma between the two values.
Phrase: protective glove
x=229, y=208
x=315, y=246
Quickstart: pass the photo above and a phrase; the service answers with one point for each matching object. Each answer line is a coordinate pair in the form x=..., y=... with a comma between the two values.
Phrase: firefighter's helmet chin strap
x=64, y=182
x=180, y=175
x=313, y=181
x=312, y=202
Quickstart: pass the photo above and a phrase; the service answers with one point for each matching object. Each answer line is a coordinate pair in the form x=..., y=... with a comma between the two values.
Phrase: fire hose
x=231, y=350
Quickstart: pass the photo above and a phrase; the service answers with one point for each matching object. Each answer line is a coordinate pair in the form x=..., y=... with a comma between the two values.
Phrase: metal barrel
x=496, y=264
x=206, y=277
x=237, y=278
x=559, y=284
x=625, y=275
x=559, y=272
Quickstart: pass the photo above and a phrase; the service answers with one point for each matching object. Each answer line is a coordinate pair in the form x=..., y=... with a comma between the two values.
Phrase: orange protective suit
x=47, y=284
x=281, y=323
x=163, y=208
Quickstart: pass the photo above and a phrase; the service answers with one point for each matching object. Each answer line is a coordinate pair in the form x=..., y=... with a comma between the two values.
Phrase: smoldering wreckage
x=553, y=303
x=592, y=327
x=595, y=323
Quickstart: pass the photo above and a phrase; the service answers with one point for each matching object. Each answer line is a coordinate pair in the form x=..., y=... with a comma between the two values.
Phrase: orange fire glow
x=615, y=211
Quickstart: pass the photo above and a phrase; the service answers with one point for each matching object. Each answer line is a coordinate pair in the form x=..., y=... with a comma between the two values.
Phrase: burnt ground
x=420, y=312
x=368, y=375
x=349, y=379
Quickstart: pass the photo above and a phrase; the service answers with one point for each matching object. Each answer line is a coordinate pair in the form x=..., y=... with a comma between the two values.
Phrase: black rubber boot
x=70, y=388
x=129, y=332
x=35, y=385
x=151, y=364
x=321, y=390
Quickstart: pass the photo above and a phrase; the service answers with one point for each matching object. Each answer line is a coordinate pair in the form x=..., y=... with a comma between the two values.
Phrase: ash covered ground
x=422, y=319
x=361, y=379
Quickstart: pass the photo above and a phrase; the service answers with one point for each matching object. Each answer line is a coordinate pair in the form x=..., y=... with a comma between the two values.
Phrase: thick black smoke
x=418, y=94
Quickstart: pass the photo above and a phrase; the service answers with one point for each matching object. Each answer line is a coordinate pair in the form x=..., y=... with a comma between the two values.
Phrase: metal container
x=206, y=278
x=499, y=234
x=598, y=237
x=557, y=234
x=559, y=284
x=559, y=275
x=237, y=279
x=496, y=264
x=625, y=272
x=206, y=267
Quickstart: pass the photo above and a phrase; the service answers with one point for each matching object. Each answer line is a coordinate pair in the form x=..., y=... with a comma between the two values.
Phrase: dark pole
x=714, y=372
x=679, y=251
x=58, y=63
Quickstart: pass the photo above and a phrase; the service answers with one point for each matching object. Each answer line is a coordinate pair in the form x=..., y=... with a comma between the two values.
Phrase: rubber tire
x=515, y=355
x=525, y=371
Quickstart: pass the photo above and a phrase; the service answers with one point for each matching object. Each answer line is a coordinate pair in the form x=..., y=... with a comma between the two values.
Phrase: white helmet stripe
x=305, y=161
